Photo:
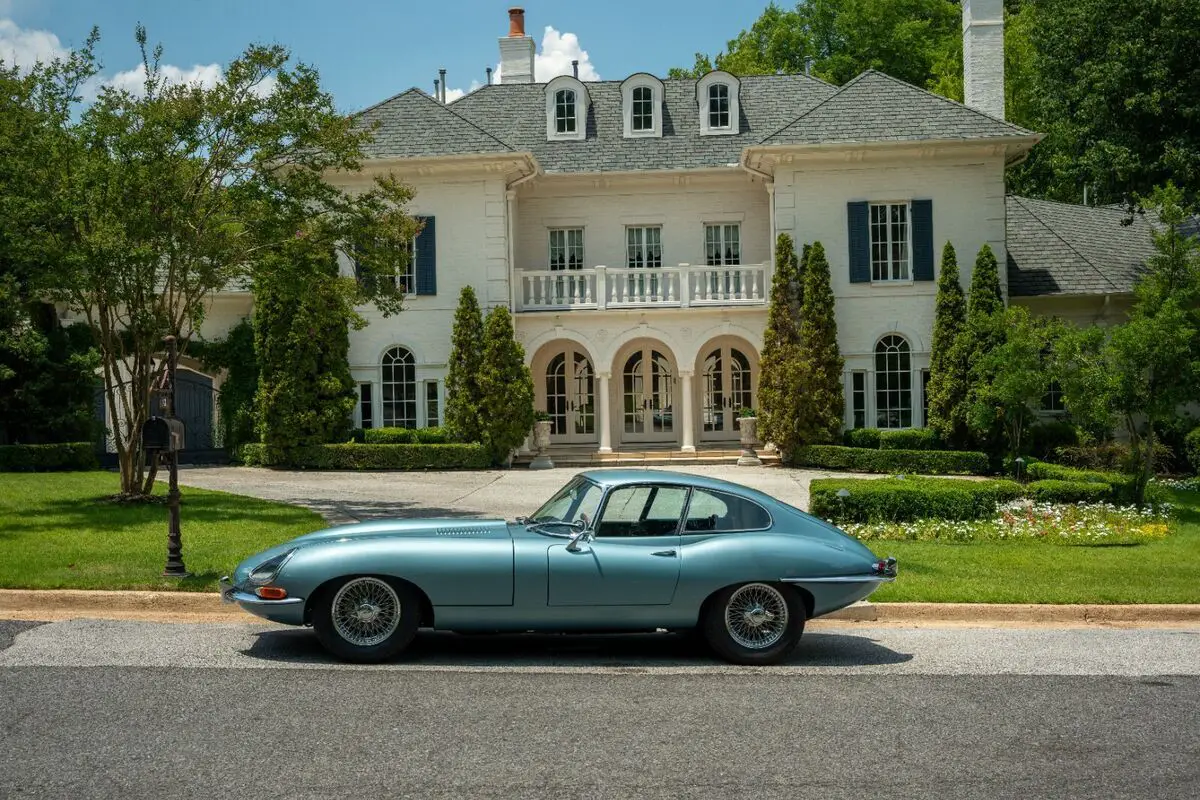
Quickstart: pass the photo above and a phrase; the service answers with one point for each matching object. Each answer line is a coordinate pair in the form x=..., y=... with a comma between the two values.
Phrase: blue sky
x=367, y=50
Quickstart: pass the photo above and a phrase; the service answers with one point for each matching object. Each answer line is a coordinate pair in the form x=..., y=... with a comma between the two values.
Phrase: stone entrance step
x=568, y=456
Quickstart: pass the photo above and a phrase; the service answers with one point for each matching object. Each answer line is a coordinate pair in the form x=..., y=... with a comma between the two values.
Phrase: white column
x=510, y=210
x=605, y=422
x=771, y=214
x=689, y=443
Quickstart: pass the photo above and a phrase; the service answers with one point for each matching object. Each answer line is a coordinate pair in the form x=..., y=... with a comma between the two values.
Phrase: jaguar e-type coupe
x=613, y=550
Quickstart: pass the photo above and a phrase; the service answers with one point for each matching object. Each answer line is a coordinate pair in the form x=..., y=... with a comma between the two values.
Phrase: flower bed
x=1086, y=524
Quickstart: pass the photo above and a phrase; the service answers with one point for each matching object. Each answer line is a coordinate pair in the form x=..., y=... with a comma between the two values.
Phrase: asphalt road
x=130, y=710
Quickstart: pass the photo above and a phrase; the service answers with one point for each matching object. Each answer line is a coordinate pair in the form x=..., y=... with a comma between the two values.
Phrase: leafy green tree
x=983, y=334
x=779, y=375
x=236, y=354
x=948, y=373
x=506, y=406
x=147, y=203
x=302, y=337
x=464, y=396
x=904, y=38
x=822, y=398
x=1018, y=373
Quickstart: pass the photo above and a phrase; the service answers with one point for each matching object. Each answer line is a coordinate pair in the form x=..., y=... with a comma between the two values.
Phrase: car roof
x=615, y=477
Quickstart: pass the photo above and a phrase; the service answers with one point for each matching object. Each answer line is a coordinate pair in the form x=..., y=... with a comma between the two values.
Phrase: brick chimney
x=516, y=50
x=983, y=55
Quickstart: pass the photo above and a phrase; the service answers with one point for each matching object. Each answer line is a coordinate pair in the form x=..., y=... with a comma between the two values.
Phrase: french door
x=725, y=389
x=648, y=397
x=571, y=397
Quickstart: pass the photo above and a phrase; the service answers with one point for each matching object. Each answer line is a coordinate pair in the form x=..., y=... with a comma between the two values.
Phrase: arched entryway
x=565, y=387
x=727, y=382
x=646, y=377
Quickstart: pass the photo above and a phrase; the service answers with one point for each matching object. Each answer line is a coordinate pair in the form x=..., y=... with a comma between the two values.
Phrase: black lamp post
x=174, y=567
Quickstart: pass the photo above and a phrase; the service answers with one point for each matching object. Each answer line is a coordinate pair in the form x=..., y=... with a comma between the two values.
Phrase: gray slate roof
x=875, y=107
x=412, y=124
x=775, y=109
x=1060, y=248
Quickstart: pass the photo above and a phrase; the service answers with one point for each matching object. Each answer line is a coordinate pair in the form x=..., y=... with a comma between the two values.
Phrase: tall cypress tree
x=948, y=374
x=506, y=406
x=463, y=394
x=984, y=333
x=779, y=378
x=822, y=399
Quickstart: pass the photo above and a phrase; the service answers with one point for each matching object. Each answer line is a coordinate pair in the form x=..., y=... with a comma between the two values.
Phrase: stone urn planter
x=749, y=432
x=541, y=445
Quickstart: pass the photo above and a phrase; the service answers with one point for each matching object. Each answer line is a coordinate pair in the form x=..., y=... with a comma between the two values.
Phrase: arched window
x=399, y=389
x=718, y=106
x=564, y=111
x=893, y=383
x=643, y=109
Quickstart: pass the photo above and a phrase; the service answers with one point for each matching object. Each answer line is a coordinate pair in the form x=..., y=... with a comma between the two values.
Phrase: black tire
x=376, y=641
x=732, y=638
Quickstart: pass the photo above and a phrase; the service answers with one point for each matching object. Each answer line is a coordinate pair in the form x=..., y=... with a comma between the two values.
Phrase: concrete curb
x=59, y=604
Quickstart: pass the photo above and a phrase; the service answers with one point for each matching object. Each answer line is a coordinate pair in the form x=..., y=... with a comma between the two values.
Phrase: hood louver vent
x=460, y=532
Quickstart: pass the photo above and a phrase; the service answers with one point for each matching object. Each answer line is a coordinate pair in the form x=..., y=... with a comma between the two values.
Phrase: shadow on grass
x=641, y=651
x=1187, y=507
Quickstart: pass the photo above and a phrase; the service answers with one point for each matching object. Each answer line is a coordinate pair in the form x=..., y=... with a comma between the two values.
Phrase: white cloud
x=134, y=80
x=557, y=52
x=27, y=47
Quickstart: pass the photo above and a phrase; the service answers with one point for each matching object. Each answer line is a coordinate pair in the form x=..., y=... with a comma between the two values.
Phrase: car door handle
x=664, y=553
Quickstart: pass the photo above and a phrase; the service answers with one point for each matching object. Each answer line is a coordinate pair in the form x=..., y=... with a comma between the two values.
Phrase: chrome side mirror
x=584, y=535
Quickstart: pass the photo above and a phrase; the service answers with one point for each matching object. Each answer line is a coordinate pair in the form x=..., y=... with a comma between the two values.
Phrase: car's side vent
x=460, y=532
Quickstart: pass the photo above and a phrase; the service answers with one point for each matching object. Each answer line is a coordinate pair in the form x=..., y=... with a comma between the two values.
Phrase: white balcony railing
x=619, y=287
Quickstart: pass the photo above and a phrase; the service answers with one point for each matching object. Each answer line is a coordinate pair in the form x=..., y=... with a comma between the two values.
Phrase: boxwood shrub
x=368, y=456
x=907, y=499
x=916, y=462
x=1055, y=491
x=862, y=437
x=909, y=439
x=1121, y=486
x=48, y=457
x=405, y=436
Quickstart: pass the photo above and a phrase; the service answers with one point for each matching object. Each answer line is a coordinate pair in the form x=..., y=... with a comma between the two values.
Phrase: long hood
x=432, y=528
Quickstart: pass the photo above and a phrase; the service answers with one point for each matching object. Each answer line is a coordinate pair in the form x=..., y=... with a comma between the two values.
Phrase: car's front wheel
x=366, y=619
x=754, y=623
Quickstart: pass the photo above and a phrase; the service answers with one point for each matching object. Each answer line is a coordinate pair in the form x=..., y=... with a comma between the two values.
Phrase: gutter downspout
x=769, y=181
x=510, y=197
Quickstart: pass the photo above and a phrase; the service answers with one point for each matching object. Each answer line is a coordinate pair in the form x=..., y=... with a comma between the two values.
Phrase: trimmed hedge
x=1055, y=491
x=1120, y=485
x=405, y=436
x=862, y=437
x=48, y=457
x=907, y=499
x=916, y=462
x=368, y=456
x=909, y=439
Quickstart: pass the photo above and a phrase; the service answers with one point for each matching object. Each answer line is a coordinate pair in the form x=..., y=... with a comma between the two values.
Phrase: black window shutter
x=858, y=228
x=426, y=267
x=922, y=237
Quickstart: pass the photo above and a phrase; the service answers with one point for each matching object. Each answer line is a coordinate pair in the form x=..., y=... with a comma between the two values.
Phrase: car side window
x=715, y=512
x=642, y=511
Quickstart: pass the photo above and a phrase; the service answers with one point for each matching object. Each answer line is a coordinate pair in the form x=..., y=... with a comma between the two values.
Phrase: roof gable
x=412, y=124
x=875, y=107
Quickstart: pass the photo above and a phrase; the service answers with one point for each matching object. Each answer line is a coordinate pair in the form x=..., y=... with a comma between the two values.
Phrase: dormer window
x=717, y=103
x=641, y=100
x=564, y=111
x=567, y=105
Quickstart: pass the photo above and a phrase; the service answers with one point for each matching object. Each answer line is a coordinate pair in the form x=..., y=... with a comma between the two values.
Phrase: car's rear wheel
x=754, y=623
x=366, y=619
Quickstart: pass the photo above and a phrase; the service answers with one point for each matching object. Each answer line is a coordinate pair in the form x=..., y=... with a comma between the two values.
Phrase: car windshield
x=575, y=502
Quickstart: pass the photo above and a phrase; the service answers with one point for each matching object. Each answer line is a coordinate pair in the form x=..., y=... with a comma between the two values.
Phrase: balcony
x=684, y=286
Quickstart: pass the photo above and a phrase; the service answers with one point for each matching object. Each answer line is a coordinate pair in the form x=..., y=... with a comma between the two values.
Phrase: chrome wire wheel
x=756, y=616
x=366, y=611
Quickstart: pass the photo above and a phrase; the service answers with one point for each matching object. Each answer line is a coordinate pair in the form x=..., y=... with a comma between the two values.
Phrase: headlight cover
x=265, y=572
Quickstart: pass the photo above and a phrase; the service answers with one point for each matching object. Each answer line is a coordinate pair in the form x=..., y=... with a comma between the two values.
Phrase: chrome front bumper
x=289, y=611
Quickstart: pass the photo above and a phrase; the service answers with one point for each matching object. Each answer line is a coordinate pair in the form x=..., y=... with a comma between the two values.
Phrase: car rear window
x=717, y=512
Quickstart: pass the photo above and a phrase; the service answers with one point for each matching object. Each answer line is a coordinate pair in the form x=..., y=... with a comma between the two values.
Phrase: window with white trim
x=718, y=106
x=406, y=273
x=643, y=246
x=642, y=118
x=723, y=245
x=641, y=106
x=890, y=237
x=433, y=405
x=566, y=248
x=399, y=395
x=1053, y=399
x=565, y=119
x=893, y=383
x=858, y=399
x=366, y=412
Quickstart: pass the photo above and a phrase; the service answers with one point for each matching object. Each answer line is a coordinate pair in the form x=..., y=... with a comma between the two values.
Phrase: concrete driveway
x=351, y=496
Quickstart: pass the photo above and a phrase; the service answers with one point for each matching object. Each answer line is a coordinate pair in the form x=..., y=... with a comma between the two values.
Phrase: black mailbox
x=160, y=434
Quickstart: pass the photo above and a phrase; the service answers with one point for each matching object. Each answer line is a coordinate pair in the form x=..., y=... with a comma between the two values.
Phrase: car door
x=633, y=559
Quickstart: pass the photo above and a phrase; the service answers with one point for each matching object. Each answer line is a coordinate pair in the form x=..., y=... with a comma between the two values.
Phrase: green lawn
x=1035, y=572
x=58, y=532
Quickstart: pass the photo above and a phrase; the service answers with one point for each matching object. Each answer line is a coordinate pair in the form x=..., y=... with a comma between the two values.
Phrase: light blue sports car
x=613, y=550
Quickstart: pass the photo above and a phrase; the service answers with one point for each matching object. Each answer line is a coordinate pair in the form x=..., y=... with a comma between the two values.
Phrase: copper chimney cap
x=516, y=21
